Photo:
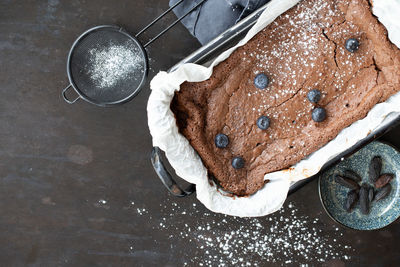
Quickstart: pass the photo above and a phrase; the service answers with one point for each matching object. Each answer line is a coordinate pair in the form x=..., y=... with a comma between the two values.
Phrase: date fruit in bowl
x=362, y=191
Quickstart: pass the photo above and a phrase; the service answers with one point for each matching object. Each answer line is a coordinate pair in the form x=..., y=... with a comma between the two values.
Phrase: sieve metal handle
x=64, y=95
x=171, y=25
x=166, y=178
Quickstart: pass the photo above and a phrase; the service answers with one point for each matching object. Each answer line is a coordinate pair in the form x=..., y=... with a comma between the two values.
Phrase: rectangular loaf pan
x=206, y=54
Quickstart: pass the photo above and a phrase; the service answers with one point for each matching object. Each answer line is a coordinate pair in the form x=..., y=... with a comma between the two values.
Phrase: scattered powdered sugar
x=102, y=203
x=284, y=237
x=114, y=63
x=141, y=211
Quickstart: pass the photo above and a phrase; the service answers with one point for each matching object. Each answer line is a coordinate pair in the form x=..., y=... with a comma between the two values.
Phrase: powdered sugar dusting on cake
x=339, y=51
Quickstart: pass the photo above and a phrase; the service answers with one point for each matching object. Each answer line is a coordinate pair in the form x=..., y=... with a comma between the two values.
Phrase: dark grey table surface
x=76, y=184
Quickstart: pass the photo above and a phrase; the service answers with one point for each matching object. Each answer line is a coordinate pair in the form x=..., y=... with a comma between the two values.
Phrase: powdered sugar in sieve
x=115, y=63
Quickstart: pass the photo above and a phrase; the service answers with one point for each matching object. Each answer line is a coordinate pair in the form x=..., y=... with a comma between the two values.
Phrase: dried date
x=383, y=180
x=347, y=182
x=371, y=194
x=364, y=200
x=383, y=192
x=351, y=200
x=352, y=175
x=375, y=168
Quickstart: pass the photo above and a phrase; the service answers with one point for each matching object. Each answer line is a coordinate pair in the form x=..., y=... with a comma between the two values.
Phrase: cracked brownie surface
x=302, y=50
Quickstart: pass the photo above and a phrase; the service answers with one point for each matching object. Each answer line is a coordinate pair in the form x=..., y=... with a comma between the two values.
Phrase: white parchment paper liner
x=271, y=197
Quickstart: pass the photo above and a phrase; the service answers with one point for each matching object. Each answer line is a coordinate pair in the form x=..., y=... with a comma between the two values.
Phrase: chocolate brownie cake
x=293, y=87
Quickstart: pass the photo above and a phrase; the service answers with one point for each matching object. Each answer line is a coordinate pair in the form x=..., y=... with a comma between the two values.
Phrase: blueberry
x=352, y=45
x=314, y=96
x=237, y=162
x=263, y=122
x=261, y=81
x=221, y=140
x=319, y=114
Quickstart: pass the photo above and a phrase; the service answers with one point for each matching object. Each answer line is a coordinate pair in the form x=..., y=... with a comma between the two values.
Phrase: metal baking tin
x=210, y=51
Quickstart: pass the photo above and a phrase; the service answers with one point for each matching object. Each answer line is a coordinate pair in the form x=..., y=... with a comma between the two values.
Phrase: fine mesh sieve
x=81, y=62
x=100, y=73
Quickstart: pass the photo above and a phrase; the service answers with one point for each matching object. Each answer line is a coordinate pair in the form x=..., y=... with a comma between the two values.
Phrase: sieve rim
x=92, y=100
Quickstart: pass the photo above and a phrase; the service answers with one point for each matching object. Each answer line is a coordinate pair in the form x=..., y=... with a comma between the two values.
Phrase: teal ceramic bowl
x=333, y=195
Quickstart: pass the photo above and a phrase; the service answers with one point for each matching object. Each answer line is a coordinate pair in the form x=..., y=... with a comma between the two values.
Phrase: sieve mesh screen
x=107, y=65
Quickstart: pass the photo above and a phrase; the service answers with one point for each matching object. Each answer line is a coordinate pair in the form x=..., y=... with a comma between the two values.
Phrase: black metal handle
x=64, y=95
x=166, y=178
x=170, y=26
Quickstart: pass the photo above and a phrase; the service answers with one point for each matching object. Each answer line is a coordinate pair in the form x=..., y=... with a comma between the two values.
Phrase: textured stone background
x=76, y=184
